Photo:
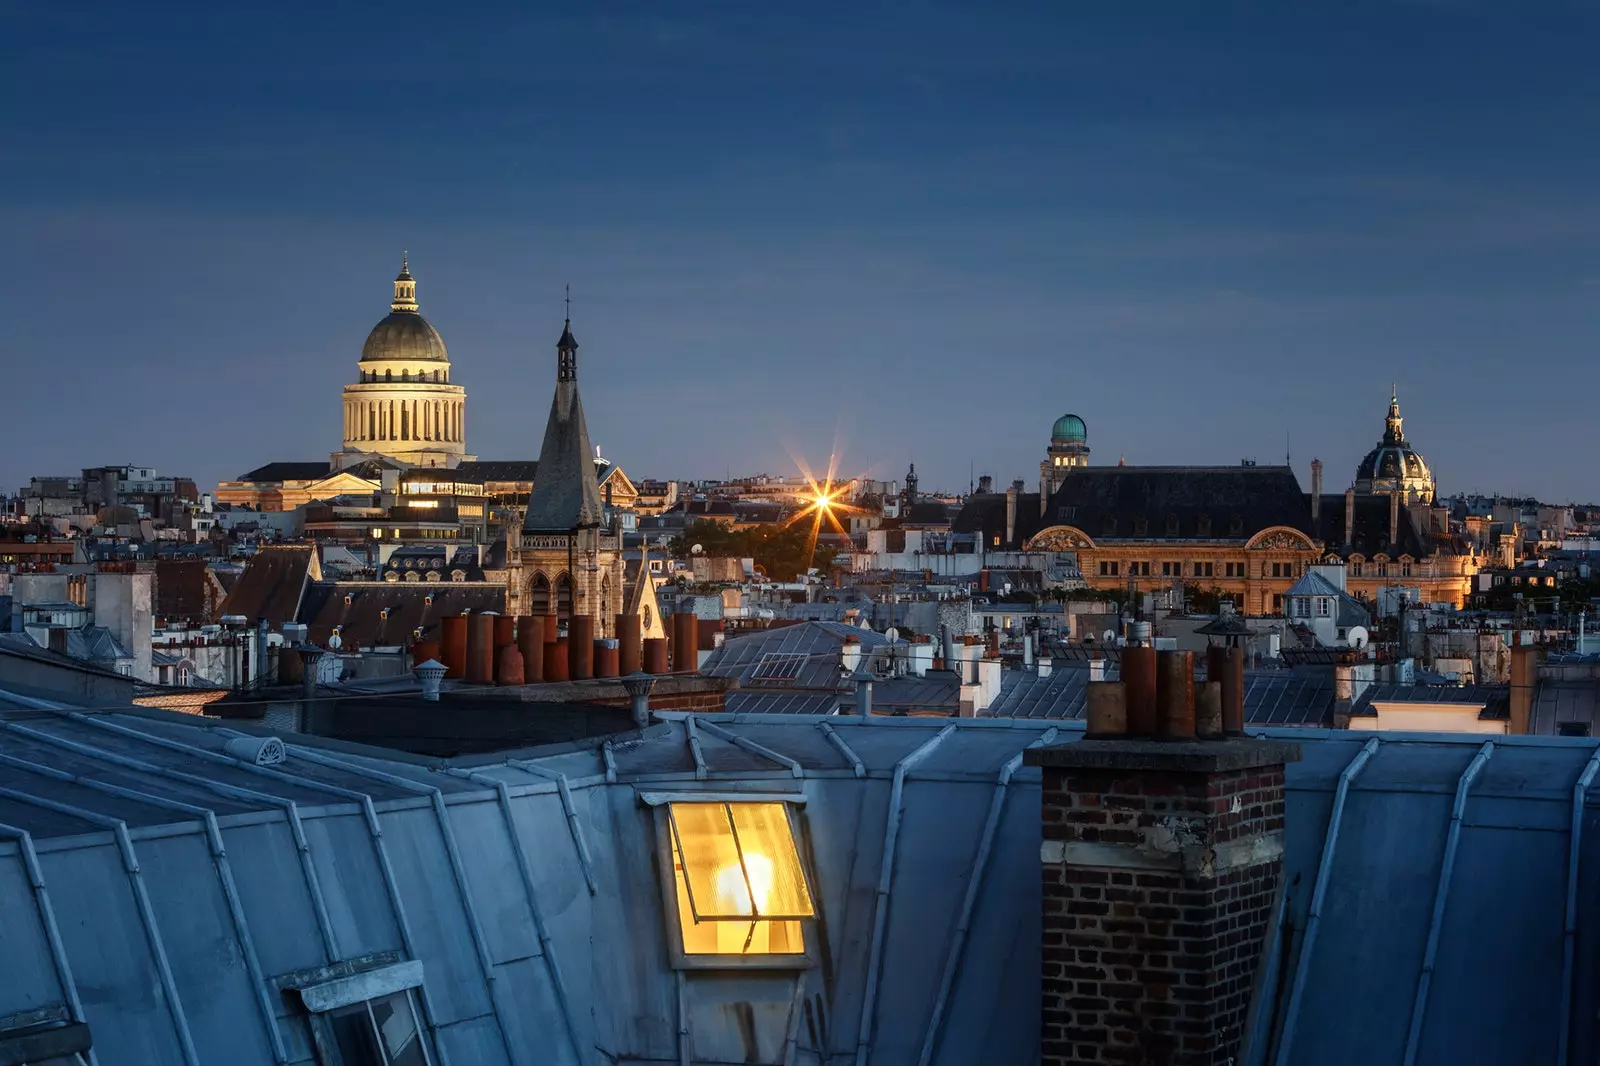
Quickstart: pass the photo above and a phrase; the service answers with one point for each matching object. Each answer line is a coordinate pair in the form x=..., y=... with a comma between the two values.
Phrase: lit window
x=739, y=885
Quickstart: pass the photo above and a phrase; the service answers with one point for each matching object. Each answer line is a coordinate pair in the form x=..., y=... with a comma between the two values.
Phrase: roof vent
x=261, y=751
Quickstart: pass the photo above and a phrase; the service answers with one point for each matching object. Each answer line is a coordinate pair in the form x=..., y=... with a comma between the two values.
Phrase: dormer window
x=1235, y=525
x=1172, y=525
x=740, y=894
x=1140, y=526
x=1109, y=526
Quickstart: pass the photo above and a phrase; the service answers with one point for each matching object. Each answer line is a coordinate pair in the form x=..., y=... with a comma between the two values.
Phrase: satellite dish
x=891, y=634
x=1358, y=637
x=1108, y=636
x=696, y=549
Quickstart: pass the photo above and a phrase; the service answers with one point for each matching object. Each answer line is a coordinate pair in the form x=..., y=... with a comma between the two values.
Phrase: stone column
x=1161, y=863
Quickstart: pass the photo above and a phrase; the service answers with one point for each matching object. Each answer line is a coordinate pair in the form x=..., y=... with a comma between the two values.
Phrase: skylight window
x=778, y=667
x=739, y=884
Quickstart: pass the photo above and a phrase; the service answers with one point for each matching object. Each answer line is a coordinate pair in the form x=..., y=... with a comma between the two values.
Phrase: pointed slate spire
x=566, y=494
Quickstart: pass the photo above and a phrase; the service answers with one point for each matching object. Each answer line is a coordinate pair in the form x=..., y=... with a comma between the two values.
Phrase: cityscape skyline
x=921, y=240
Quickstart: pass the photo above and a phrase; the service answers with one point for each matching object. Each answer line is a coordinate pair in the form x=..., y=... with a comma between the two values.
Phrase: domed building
x=1069, y=447
x=403, y=405
x=1394, y=467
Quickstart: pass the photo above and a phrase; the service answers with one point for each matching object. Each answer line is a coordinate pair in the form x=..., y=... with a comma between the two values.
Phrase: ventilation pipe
x=864, y=696
x=638, y=687
x=430, y=673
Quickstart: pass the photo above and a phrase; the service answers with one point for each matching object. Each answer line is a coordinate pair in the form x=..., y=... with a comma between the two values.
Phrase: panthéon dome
x=404, y=335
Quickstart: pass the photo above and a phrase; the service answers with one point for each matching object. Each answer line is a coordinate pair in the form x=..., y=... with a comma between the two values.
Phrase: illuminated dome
x=1069, y=428
x=403, y=404
x=404, y=335
x=1394, y=466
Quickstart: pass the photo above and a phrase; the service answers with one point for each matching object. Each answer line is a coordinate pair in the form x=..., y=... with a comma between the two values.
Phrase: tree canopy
x=783, y=551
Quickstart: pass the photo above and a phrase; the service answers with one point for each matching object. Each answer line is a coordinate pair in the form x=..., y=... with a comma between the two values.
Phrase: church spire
x=566, y=492
x=567, y=347
x=405, y=287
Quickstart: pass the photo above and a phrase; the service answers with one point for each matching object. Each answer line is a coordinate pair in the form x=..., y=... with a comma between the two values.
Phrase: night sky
x=914, y=231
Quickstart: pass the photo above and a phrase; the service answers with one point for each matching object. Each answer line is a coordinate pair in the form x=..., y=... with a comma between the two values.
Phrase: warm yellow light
x=734, y=895
x=736, y=861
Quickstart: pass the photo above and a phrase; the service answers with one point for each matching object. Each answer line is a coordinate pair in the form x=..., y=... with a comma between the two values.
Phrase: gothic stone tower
x=566, y=561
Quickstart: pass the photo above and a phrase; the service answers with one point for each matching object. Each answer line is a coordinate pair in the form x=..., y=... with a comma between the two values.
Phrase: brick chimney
x=1349, y=516
x=1161, y=868
x=1316, y=492
x=1394, y=519
x=1524, y=681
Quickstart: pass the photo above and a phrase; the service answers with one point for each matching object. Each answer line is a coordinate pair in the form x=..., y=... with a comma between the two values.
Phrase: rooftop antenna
x=568, y=301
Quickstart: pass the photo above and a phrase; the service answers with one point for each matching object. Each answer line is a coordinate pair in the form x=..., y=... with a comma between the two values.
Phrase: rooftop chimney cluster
x=1159, y=698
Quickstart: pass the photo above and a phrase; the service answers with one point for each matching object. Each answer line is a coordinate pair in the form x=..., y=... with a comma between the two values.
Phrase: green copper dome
x=1069, y=428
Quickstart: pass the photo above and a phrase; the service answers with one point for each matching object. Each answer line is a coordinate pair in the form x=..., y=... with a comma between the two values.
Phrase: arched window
x=539, y=595
x=564, y=597
x=388, y=375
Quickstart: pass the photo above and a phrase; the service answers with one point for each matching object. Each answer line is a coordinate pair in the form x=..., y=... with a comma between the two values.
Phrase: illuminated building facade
x=403, y=405
x=1248, y=532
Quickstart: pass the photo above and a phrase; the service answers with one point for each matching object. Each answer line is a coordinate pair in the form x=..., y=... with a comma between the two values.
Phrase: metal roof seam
x=457, y=871
x=219, y=857
x=1318, y=895
x=980, y=865
x=574, y=826
x=844, y=749
x=47, y=918
x=1430, y=954
x=1569, y=935
x=748, y=745
x=541, y=929
x=147, y=917
x=880, y=918
x=689, y=731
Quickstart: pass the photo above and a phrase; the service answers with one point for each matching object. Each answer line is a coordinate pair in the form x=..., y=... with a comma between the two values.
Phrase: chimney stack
x=864, y=697
x=1524, y=678
x=1316, y=491
x=1394, y=518
x=1349, y=516
x=1162, y=863
x=1011, y=512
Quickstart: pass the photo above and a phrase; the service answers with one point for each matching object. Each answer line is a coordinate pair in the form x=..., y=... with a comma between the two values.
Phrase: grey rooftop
x=159, y=884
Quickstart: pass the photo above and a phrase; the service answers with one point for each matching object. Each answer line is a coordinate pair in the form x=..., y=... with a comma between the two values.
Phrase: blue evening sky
x=922, y=230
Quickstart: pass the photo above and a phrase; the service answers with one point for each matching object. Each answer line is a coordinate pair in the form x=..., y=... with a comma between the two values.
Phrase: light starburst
x=823, y=501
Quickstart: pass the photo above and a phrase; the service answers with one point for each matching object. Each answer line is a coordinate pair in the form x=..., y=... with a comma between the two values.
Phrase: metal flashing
x=1430, y=955
x=880, y=917
x=356, y=987
x=1319, y=895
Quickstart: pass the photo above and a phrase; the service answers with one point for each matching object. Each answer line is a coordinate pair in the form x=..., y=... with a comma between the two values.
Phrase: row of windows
x=435, y=377
x=1380, y=569
x=1109, y=568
